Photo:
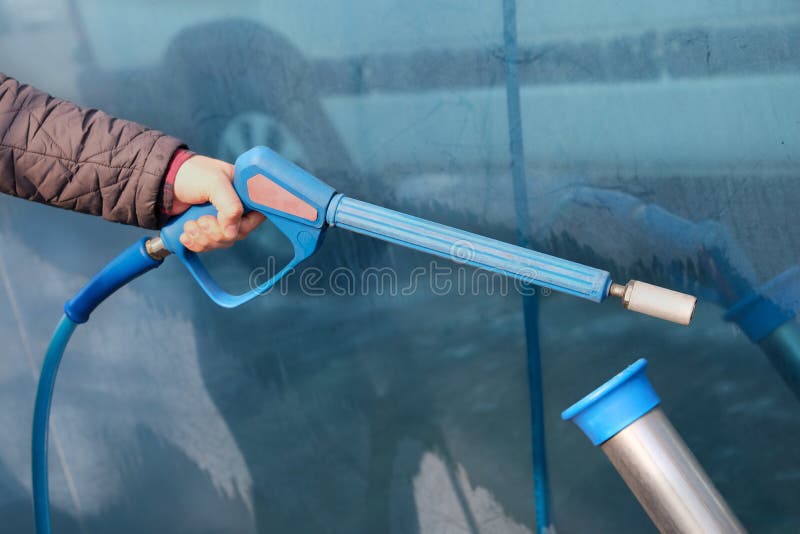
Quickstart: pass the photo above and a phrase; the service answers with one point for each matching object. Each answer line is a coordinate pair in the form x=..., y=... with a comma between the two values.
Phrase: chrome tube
x=665, y=477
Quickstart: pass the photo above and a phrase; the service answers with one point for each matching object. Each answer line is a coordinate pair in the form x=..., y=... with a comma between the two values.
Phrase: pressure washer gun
x=302, y=208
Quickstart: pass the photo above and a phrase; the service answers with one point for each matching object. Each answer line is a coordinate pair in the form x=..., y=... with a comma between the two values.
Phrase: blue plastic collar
x=616, y=404
x=130, y=264
x=769, y=306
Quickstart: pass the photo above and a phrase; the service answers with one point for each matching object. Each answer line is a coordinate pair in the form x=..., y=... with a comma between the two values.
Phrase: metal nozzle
x=156, y=249
x=655, y=301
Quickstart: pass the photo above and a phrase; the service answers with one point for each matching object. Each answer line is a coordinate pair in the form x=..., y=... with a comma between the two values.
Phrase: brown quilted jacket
x=54, y=152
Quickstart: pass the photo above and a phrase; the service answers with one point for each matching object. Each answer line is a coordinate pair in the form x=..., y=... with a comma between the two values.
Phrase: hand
x=200, y=180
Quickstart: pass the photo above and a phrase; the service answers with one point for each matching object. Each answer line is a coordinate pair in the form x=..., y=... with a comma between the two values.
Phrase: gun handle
x=291, y=198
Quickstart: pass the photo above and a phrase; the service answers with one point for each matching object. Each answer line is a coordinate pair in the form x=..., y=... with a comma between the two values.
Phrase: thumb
x=229, y=207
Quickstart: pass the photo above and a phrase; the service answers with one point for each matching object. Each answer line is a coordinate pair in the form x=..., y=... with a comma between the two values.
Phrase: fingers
x=249, y=223
x=212, y=230
x=229, y=208
x=191, y=237
x=204, y=234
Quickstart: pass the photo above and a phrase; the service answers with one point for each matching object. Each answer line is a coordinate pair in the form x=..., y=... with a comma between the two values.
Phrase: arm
x=54, y=152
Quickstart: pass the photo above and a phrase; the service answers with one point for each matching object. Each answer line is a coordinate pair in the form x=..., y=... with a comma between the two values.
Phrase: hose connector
x=156, y=248
x=655, y=301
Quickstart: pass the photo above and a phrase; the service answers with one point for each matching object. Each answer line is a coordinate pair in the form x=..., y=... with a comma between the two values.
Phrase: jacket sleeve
x=54, y=152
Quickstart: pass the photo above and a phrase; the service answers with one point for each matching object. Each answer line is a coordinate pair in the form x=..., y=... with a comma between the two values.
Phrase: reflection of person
x=54, y=152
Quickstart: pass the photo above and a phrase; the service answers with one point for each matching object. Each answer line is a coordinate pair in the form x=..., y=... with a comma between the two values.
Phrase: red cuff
x=169, y=206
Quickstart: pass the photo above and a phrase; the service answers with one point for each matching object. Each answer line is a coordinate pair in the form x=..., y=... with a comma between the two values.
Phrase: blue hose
x=131, y=263
x=41, y=414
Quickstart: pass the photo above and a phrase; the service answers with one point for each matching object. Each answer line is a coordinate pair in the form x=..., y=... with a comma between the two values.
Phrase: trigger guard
x=305, y=241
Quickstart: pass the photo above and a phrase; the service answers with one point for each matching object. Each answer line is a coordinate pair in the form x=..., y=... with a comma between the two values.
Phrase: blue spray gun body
x=302, y=207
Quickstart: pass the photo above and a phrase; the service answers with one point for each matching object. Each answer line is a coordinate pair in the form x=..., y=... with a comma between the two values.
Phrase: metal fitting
x=156, y=249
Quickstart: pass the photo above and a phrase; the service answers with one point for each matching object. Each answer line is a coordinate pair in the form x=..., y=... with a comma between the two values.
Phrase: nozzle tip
x=659, y=302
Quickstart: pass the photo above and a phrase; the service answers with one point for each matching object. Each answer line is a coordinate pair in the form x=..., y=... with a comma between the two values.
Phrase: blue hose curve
x=41, y=415
x=133, y=262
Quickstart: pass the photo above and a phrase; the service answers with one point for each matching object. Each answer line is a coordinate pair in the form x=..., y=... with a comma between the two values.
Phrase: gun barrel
x=520, y=263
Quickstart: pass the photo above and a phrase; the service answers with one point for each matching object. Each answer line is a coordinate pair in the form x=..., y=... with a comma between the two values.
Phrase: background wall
x=656, y=136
